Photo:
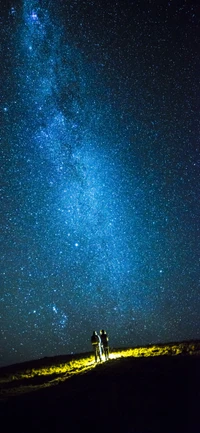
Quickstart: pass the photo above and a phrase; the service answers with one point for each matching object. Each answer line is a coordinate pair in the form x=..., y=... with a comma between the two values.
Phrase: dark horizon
x=186, y=350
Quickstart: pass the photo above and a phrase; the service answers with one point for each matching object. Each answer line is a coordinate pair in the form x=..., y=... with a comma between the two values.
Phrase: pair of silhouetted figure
x=100, y=345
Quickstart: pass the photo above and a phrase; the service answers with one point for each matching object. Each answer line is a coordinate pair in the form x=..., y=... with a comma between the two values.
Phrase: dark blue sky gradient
x=100, y=175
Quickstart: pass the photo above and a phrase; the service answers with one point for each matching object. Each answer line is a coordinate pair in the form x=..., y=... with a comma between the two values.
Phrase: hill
x=139, y=390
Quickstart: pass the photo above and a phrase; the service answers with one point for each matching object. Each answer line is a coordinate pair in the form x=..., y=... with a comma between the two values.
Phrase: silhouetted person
x=104, y=344
x=96, y=344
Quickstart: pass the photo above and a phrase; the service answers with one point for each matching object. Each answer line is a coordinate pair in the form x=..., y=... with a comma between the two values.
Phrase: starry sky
x=99, y=174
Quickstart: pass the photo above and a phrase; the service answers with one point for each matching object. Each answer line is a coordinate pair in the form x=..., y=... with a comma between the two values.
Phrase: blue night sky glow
x=100, y=175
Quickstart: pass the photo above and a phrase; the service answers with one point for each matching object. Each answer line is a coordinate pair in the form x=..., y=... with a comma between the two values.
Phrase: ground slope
x=129, y=395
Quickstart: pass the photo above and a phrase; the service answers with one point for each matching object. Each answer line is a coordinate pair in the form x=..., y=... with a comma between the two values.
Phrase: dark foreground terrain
x=128, y=395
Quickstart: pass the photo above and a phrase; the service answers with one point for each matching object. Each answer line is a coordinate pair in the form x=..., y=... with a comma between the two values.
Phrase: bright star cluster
x=100, y=175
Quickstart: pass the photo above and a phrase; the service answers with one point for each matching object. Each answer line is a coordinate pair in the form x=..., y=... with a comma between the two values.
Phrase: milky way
x=100, y=173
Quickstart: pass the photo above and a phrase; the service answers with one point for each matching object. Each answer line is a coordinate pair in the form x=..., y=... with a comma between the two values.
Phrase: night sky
x=100, y=167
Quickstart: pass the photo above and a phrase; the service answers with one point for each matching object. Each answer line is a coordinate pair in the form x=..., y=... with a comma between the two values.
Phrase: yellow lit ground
x=46, y=376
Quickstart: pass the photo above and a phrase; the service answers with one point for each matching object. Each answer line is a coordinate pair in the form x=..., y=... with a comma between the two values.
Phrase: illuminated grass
x=147, y=351
x=58, y=373
x=51, y=375
x=70, y=368
x=156, y=350
x=66, y=369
